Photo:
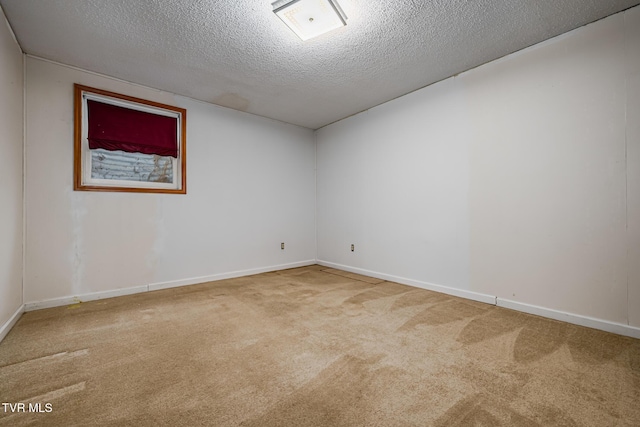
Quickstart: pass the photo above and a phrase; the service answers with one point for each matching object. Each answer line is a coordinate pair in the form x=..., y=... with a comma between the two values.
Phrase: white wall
x=11, y=125
x=632, y=72
x=250, y=184
x=394, y=182
x=515, y=179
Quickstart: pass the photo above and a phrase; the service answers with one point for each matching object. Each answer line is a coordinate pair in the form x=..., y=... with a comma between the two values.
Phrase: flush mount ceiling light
x=310, y=18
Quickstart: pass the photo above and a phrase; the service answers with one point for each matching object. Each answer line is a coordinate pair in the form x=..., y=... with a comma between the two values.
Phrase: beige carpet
x=313, y=347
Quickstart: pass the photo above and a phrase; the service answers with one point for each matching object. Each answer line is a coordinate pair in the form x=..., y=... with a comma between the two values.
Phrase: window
x=128, y=144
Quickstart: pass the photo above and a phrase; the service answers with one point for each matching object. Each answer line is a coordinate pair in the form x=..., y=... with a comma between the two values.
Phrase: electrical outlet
x=282, y=245
x=352, y=248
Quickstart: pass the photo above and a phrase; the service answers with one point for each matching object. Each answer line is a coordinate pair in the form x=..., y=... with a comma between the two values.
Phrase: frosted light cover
x=310, y=18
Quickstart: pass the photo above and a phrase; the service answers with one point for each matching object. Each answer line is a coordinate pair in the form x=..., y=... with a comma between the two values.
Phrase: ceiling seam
x=95, y=73
x=505, y=57
x=13, y=34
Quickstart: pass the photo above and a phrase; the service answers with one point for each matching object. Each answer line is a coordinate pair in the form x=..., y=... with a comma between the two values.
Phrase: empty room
x=320, y=213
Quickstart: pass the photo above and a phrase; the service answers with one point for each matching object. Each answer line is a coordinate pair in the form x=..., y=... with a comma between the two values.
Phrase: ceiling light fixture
x=310, y=18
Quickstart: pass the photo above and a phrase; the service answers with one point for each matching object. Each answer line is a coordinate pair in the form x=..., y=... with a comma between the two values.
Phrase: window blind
x=117, y=128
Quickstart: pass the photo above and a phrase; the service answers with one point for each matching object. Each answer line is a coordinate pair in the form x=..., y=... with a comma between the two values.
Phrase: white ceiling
x=238, y=54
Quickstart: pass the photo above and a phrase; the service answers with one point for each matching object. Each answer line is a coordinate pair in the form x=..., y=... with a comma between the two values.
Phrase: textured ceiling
x=240, y=55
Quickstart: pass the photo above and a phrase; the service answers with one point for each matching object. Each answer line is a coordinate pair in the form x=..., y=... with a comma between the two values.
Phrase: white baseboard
x=489, y=299
x=58, y=302
x=590, y=322
x=231, y=275
x=4, y=330
x=576, y=319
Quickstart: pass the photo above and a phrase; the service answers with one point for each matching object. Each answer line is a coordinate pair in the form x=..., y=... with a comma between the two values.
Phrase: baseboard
x=231, y=275
x=576, y=319
x=93, y=296
x=4, y=330
x=489, y=299
x=58, y=302
x=589, y=322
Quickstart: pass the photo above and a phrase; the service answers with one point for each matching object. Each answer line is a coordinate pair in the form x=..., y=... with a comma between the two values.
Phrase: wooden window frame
x=81, y=148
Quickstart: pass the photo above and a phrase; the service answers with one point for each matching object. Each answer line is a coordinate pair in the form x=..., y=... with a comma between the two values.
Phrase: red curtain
x=118, y=128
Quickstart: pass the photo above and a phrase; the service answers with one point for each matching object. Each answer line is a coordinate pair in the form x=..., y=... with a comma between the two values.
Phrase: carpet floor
x=312, y=346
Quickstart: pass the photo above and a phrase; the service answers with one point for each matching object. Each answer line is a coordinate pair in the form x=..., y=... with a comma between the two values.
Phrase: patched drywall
x=250, y=186
x=240, y=54
x=516, y=179
x=11, y=125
